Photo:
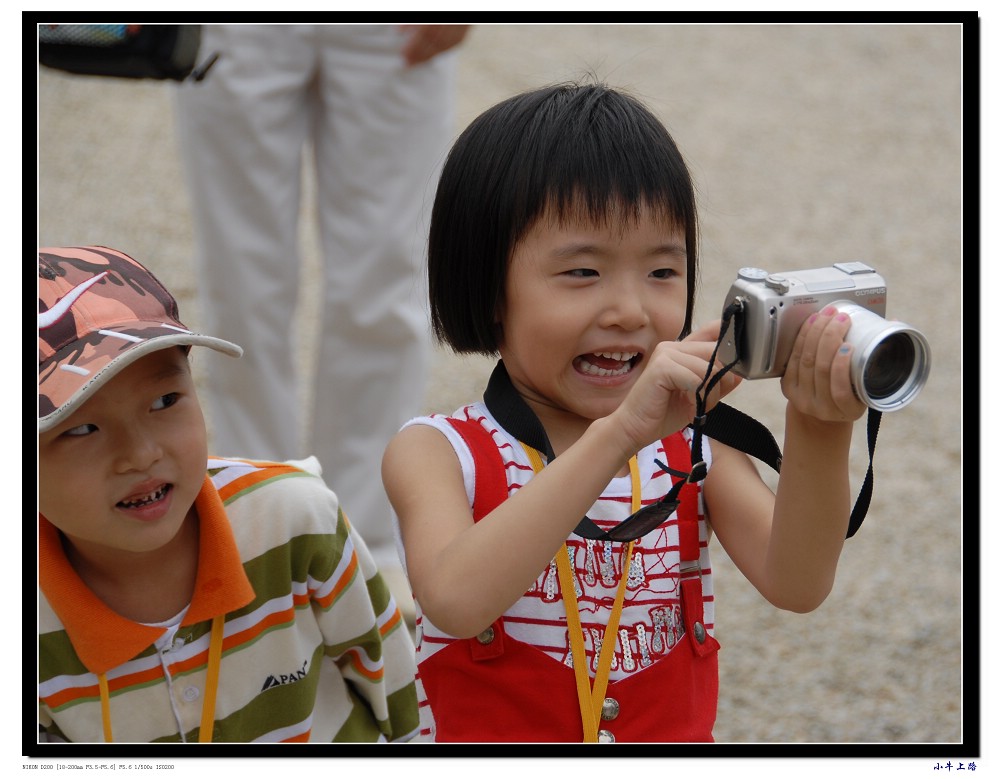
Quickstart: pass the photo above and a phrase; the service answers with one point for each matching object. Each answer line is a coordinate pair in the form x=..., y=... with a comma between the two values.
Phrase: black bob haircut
x=565, y=150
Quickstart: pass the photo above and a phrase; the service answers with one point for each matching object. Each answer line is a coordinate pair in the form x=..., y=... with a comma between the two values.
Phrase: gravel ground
x=809, y=145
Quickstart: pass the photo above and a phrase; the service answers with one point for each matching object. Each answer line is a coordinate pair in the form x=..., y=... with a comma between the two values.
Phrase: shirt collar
x=102, y=638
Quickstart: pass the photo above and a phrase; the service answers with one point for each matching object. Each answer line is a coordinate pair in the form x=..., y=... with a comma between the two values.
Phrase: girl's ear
x=498, y=316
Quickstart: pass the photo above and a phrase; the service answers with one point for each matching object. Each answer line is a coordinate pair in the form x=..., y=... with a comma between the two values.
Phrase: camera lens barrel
x=891, y=360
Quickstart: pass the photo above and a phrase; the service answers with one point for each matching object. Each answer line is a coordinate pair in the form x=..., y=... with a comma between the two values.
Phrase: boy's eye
x=80, y=430
x=664, y=273
x=583, y=273
x=165, y=401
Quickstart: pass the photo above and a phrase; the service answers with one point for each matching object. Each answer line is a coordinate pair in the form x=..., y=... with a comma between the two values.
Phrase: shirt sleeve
x=364, y=632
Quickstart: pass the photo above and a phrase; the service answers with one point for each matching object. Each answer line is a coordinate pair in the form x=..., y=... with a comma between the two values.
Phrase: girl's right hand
x=663, y=399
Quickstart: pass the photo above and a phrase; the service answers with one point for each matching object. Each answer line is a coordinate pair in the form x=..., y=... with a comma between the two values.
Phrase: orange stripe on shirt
x=354, y=657
x=75, y=694
x=342, y=583
x=254, y=479
x=249, y=634
x=390, y=623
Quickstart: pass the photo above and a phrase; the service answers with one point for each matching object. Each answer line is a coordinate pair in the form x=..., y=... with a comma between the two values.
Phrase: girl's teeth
x=594, y=370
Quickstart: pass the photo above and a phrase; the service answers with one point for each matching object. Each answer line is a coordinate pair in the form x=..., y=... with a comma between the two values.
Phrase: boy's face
x=121, y=473
x=585, y=305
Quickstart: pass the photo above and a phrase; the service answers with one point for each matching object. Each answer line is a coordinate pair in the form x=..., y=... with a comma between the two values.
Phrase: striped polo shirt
x=314, y=647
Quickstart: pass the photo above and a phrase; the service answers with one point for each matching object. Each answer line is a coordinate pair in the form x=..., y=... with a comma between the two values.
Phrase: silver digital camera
x=890, y=362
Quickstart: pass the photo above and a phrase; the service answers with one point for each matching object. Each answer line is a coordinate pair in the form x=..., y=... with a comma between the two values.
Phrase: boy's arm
x=367, y=638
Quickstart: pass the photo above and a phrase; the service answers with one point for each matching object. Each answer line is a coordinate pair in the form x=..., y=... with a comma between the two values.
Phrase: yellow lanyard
x=211, y=688
x=591, y=700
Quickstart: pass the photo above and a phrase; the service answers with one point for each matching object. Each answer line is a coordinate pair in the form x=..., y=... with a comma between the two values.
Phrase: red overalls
x=495, y=688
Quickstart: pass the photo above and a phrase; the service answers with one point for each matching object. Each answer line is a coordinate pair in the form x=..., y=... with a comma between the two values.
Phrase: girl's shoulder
x=463, y=438
x=472, y=412
x=459, y=434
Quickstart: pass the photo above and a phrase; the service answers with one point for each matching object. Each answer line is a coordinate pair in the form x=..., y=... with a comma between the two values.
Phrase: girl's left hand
x=817, y=380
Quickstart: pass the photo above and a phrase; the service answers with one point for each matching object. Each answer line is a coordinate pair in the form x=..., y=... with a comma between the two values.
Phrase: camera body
x=890, y=362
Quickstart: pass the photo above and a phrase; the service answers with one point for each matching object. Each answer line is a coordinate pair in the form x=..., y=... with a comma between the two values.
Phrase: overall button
x=610, y=709
x=486, y=637
x=191, y=694
x=605, y=737
x=699, y=632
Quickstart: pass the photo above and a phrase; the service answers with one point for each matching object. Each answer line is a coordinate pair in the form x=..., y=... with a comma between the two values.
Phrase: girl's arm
x=788, y=544
x=466, y=574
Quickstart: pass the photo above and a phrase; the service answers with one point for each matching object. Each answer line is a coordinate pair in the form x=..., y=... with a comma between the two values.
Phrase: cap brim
x=89, y=384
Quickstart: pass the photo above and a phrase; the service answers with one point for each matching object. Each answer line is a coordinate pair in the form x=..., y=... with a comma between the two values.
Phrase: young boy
x=179, y=603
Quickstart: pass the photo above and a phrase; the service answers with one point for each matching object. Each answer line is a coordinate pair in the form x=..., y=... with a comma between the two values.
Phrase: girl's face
x=585, y=305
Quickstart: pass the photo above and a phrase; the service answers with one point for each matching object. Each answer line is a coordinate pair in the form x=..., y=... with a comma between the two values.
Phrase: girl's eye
x=80, y=430
x=664, y=273
x=165, y=401
x=583, y=273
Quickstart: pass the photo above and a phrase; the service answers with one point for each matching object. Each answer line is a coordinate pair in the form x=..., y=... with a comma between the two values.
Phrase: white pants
x=379, y=133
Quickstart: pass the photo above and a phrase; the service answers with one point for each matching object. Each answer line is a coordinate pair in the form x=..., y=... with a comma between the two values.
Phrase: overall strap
x=490, y=475
x=490, y=491
x=679, y=457
x=690, y=582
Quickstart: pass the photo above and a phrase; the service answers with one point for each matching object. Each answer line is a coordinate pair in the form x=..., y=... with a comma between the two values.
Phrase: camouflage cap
x=99, y=311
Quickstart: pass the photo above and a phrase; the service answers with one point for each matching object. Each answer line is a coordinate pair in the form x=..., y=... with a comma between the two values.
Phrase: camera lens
x=891, y=360
x=889, y=366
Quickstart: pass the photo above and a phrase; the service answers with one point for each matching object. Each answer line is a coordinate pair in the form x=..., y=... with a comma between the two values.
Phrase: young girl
x=563, y=239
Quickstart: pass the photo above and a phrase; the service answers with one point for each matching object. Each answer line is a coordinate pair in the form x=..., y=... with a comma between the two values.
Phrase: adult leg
x=241, y=134
x=380, y=139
